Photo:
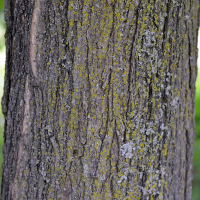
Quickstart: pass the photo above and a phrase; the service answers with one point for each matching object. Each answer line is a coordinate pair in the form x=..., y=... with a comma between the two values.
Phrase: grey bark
x=99, y=99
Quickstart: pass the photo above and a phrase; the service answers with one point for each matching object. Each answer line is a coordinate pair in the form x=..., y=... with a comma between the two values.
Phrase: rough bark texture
x=99, y=99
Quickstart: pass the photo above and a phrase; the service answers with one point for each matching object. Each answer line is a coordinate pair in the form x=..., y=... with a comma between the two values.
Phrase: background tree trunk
x=99, y=99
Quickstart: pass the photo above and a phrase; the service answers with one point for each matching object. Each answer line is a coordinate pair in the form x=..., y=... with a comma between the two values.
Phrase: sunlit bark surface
x=99, y=99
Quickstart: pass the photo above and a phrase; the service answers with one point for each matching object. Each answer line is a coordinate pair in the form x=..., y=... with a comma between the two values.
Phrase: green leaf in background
x=1, y=4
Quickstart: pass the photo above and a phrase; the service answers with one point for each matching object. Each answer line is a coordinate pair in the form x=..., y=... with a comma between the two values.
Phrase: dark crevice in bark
x=155, y=23
x=118, y=146
x=150, y=96
x=106, y=90
x=107, y=107
x=166, y=22
x=187, y=162
x=89, y=86
x=81, y=5
x=110, y=168
x=189, y=60
x=130, y=66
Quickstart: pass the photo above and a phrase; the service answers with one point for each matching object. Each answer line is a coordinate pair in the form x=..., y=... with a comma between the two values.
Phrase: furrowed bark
x=99, y=99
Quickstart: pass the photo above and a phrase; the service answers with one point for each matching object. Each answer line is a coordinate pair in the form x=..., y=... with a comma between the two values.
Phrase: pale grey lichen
x=127, y=150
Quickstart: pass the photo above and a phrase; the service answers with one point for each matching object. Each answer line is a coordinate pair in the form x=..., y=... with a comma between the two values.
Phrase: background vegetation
x=2, y=65
x=196, y=158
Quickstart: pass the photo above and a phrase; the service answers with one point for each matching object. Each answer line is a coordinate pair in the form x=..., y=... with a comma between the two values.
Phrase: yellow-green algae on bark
x=111, y=111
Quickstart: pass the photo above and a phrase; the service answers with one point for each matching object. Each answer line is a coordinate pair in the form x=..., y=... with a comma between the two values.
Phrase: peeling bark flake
x=33, y=40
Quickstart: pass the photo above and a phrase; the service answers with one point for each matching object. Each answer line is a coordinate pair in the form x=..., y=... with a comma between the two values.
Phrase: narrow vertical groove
x=130, y=63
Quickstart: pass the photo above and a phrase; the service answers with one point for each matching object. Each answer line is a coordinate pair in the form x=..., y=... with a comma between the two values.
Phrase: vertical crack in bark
x=130, y=67
x=150, y=100
x=189, y=59
x=107, y=120
x=15, y=186
x=166, y=24
x=33, y=39
x=106, y=86
x=118, y=147
x=24, y=130
x=187, y=151
x=89, y=85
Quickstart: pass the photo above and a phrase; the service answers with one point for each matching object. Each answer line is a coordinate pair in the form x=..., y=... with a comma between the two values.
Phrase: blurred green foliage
x=1, y=5
x=2, y=31
x=196, y=156
x=2, y=62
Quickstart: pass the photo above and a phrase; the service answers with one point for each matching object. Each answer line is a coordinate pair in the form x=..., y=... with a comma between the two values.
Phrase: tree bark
x=99, y=99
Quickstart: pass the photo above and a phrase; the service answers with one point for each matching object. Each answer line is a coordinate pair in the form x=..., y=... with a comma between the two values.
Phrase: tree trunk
x=99, y=99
